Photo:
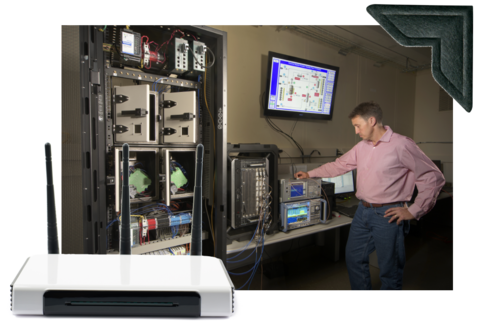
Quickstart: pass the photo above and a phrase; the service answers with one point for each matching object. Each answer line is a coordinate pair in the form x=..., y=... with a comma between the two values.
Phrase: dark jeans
x=371, y=231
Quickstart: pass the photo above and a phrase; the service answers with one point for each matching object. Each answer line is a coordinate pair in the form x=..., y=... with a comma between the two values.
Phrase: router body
x=100, y=285
x=125, y=285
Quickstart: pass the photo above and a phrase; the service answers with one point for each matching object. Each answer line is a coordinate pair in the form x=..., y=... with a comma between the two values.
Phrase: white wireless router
x=125, y=285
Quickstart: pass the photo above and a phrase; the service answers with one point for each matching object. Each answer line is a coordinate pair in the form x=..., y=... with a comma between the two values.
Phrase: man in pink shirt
x=389, y=165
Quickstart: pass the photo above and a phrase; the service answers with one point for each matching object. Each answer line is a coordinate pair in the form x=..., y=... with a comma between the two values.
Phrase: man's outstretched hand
x=301, y=175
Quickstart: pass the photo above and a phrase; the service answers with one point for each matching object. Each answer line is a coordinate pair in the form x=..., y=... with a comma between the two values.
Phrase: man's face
x=363, y=128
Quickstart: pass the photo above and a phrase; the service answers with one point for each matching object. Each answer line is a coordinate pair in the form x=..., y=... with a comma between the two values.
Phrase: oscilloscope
x=303, y=213
x=300, y=189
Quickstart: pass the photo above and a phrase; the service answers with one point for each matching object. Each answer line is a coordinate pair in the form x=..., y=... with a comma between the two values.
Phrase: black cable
x=279, y=130
x=293, y=129
x=293, y=165
x=201, y=65
x=276, y=128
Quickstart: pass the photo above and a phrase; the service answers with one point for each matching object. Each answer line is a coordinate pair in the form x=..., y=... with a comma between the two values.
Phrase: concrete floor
x=429, y=266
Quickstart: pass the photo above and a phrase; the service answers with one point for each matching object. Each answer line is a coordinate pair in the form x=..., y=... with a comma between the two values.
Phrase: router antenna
x=125, y=247
x=51, y=215
x=197, y=205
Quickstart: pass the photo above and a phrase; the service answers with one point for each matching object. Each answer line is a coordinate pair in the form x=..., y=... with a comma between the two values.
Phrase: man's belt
x=378, y=205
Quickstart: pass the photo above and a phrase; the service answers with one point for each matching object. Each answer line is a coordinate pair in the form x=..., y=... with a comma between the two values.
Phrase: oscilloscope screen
x=297, y=190
x=298, y=214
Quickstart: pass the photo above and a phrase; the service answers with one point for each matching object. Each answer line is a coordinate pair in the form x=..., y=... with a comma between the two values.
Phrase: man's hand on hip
x=399, y=214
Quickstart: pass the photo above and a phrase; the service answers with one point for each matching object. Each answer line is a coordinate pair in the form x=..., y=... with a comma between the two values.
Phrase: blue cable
x=245, y=245
x=241, y=260
x=257, y=261
x=158, y=206
x=244, y=258
x=137, y=209
x=174, y=230
x=261, y=254
x=155, y=83
x=180, y=219
x=263, y=245
x=253, y=273
x=238, y=274
x=106, y=228
x=180, y=167
x=255, y=266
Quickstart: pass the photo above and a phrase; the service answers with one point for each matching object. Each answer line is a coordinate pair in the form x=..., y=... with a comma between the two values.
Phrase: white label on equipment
x=127, y=43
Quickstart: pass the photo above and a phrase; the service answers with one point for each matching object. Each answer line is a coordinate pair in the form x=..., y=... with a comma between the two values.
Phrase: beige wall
x=432, y=125
x=359, y=81
x=409, y=100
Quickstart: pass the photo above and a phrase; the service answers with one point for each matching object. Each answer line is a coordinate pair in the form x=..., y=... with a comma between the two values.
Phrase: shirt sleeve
x=342, y=165
x=428, y=178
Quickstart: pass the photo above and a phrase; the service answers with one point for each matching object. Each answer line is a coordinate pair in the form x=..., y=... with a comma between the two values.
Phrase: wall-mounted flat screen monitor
x=299, y=88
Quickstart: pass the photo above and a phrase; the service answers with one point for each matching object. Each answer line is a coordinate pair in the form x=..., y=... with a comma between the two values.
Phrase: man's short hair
x=366, y=110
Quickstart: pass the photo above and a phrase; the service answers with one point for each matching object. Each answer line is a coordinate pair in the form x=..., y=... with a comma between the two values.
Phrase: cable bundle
x=169, y=232
x=260, y=231
x=171, y=251
x=178, y=219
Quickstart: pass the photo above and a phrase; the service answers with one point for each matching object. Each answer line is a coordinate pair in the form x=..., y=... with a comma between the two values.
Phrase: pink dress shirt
x=388, y=171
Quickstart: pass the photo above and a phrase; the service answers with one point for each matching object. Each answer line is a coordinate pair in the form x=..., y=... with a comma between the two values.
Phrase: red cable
x=448, y=193
x=168, y=42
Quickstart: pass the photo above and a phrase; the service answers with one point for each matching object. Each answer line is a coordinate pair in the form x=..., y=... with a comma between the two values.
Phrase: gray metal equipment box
x=179, y=54
x=182, y=118
x=197, y=60
x=136, y=110
x=300, y=189
x=249, y=179
x=303, y=213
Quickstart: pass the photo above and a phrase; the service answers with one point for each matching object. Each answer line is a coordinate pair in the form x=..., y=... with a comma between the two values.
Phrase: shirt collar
x=385, y=137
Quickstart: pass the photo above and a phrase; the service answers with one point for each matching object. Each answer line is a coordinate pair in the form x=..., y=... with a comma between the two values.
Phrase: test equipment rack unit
x=254, y=151
x=104, y=84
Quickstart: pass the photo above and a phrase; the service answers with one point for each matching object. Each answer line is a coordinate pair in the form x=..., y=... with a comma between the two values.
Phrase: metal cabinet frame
x=93, y=77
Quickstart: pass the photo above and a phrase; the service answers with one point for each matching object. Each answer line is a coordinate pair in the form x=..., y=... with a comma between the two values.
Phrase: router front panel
x=121, y=303
x=78, y=273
